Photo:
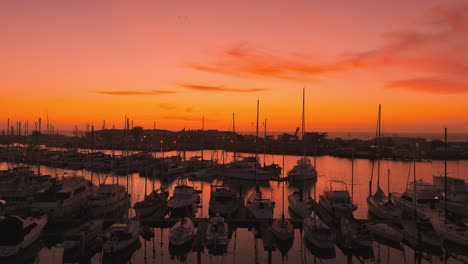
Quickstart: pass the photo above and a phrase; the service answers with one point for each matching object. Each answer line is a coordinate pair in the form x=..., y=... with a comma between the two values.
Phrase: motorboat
x=18, y=234
x=248, y=169
x=457, y=194
x=183, y=199
x=182, y=232
x=82, y=239
x=258, y=206
x=223, y=201
x=156, y=200
x=121, y=236
x=337, y=201
x=302, y=171
x=299, y=205
x=107, y=199
x=319, y=237
x=217, y=234
x=424, y=203
x=66, y=197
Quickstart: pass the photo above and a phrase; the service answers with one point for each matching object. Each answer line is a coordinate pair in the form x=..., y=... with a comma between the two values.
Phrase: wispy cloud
x=213, y=88
x=246, y=60
x=136, y=92
x=430, y=85
x=187, y=118
x=167, y=106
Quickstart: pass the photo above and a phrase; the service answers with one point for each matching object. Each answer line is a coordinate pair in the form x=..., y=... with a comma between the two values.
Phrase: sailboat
x=153, y=202
x=449, y=232
x=121, y=236
x=282, y=229
x=379, y=204
x=258, y=206
x=303, y=170
x=297, y=202
x=182, y=232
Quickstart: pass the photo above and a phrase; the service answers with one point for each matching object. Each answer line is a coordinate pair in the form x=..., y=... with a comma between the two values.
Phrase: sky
x=174, y=62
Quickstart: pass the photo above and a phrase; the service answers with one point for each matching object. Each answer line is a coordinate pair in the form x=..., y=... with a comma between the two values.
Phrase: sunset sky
x=175, y=61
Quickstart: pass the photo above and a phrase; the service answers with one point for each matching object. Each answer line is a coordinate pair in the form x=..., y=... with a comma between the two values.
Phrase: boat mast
x=234, y=134
x=264, y=146
x=378, y=149
x=303, y=122
x=256, y=140
x=202, y=138
x=445, y=178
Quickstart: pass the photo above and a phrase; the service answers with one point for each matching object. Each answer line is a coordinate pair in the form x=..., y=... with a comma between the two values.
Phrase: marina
x=258, y=232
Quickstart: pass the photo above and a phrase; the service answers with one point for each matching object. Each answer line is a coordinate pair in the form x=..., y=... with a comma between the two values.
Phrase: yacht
x=303, y=171
x=66, y=197
x=18, y=234
x=382, y=206
x=223, y=201
x=107, y=199
x=217, y=234
x=457, y=194
x=319, y=237
x=248, y=169
x=183, y=199
x=121, y=236
x=424, y=203
x=298, y=205
x=337, y=201
x=156, y=200
x=258, y=206
x=182, y=232
x=80, y=240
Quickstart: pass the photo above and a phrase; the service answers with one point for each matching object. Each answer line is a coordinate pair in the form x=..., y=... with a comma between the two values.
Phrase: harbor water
x=244, y=247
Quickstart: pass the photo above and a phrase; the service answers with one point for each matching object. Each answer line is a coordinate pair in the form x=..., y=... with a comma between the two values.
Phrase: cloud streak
x=246, y=60
x=212, y=88
x=430, y=85
x=135, y=92
x=187, y=118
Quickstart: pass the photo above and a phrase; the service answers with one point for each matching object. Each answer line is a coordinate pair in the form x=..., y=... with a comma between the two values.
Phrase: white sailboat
x=258, y=206
x=17, y=234
x=282, y=229
x=153, y=202
x=182, y=232
x=379, y=204
x=303, y=170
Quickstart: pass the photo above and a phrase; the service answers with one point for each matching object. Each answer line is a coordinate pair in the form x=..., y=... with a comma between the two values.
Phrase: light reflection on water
x=242, y=247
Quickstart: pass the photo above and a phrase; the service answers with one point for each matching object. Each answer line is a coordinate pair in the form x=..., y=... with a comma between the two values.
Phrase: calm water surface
x=244, y=247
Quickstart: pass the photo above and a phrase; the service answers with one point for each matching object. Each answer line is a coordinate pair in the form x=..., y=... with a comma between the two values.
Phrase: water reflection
x=244, y=248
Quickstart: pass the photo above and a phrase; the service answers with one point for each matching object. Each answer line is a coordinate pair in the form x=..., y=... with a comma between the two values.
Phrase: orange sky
x=175, y=61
